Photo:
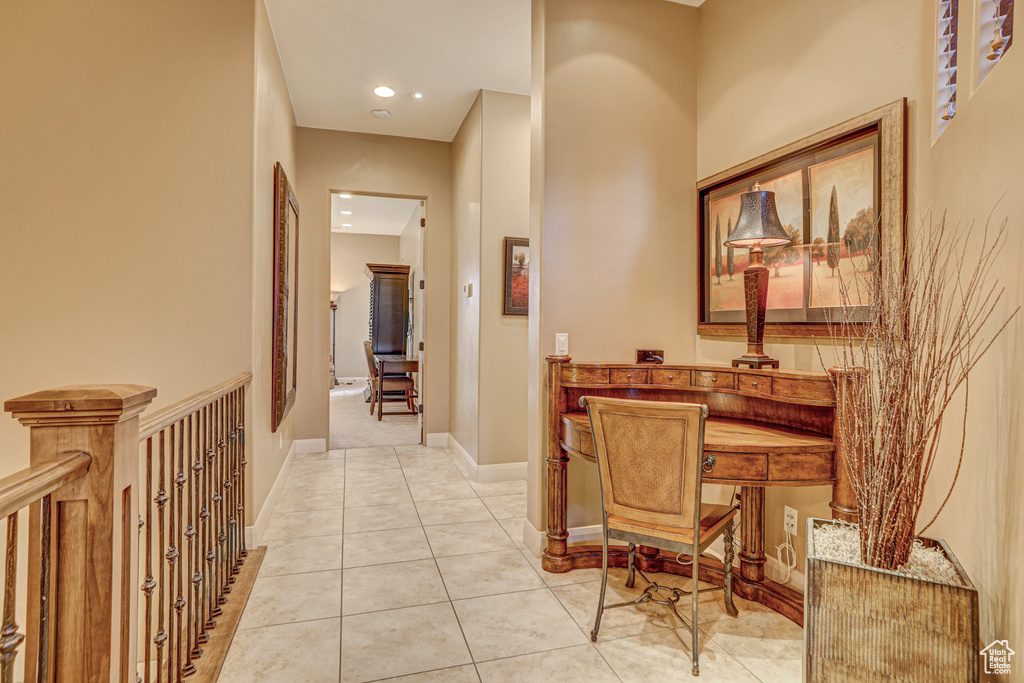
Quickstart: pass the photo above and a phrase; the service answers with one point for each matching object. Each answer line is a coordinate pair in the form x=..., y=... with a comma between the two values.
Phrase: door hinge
x=420, y=407
x=421, y=346
x=423, y=284
x=423, y=222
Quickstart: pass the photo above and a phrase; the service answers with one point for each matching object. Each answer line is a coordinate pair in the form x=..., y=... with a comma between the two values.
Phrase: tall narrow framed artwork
x=517, y=276
x=286, y=278
x=841, y=197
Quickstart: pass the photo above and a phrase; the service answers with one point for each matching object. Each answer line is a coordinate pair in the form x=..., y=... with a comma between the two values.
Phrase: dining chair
x=650, y=458
x=396, y=387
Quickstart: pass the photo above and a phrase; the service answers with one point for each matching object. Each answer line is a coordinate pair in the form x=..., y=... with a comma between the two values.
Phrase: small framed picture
x=517, y=276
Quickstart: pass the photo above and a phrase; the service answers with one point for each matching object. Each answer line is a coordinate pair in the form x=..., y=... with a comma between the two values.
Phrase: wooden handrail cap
x=110, y=399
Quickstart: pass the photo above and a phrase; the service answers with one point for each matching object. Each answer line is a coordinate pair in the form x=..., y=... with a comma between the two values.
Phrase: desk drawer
x=757, y=383
x=676, y=377
x=714, y=380
x=628, y=375
x=743, y=466
x=578, y=375
x=800, y=467
x=815, y=390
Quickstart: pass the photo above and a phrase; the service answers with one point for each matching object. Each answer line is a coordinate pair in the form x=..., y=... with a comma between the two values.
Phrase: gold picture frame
x=790, y=170
x=286, y=276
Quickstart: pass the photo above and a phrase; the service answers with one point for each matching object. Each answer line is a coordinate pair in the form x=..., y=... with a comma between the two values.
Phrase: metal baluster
x=241, y=478
x=192, y=624
x=161, y=503
x=178, y=560
x=204, y=517
x=209, y=583
x=222, y=495
x=233, y=488
x=43, y=651
x=148, y=584
x=170, y=555
x=10, y=639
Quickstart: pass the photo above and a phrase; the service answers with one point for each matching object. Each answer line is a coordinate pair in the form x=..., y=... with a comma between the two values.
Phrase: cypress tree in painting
x=718, y=249
x=730, y=257
x=832, y=255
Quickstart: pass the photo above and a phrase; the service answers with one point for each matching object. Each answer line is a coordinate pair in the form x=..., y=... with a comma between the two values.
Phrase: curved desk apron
x=765, y=428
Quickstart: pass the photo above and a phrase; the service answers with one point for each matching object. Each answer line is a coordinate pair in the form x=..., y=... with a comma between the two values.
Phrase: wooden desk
x=765, y=428
x=394, y=364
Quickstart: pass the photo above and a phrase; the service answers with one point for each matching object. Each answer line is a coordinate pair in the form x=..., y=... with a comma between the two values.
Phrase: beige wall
x=615, y=143
x=827, y=62
x=374, y=164
x=504, y=212
x=464, y=362
x=128, y=162
x=491, y=196
x=349, y=256
x=274, y=141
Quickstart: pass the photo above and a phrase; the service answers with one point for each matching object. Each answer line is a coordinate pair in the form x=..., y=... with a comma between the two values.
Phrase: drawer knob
x=714, y=379
x=753, y=384
x=671, y=376
x=709, y=462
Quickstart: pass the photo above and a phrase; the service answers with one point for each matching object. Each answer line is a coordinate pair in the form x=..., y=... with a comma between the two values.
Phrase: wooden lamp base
x=755, y=295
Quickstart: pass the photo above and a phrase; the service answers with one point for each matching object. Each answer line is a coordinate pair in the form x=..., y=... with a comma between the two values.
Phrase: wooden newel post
x=93, y=554
x=844, y=497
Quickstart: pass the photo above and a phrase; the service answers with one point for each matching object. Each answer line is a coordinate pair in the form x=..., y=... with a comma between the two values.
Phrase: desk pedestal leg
x=752, y=533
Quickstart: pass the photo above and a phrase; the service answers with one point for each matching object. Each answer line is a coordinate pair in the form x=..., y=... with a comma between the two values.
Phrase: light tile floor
x=387, y=563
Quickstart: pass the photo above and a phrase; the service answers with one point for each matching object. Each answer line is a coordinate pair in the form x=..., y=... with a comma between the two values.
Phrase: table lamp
x=757, y=227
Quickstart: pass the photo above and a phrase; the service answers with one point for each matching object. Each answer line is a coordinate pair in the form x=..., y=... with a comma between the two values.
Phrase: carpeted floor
x=352, y=426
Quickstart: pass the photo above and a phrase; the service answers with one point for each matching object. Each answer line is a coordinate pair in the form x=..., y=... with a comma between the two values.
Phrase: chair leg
x=604, y=584
x=631, y=577
x=373, y=398
x=730, y=608
x=693, y=618
x=408, y=400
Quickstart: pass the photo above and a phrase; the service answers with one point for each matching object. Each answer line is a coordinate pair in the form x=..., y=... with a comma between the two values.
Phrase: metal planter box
x=866, y=624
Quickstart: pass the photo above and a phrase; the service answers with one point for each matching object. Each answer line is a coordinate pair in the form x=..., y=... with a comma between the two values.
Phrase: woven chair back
x=648, y=454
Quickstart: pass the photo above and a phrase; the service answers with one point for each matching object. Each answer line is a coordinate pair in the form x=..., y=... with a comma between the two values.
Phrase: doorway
x=386, y=231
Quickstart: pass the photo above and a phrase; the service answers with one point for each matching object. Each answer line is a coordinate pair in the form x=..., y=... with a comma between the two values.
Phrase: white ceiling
x=371, y=215
x=335, y=52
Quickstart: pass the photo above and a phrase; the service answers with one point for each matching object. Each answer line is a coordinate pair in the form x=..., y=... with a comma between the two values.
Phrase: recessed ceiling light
x=383, y=91
x=346, y=225
x=347, y=213
x=345, y=196
x=416, y=95
x=382, y=113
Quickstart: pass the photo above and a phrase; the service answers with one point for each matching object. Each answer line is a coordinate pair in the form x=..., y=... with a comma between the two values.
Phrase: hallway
x=391, y=558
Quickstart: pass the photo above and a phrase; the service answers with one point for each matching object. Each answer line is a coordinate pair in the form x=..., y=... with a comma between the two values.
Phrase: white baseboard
x=437, y=440
x=254, y=533
x=774, y=570
x=534, y=540
x=485, y=474
x=311, y=445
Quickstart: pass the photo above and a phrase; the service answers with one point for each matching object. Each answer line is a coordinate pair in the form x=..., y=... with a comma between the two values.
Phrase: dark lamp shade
x=759, y=223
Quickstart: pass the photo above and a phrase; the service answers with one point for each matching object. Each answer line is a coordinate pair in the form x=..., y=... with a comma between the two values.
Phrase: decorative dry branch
x=925, y=331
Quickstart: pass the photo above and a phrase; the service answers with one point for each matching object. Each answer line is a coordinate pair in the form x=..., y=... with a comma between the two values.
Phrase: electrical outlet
x=790, y=520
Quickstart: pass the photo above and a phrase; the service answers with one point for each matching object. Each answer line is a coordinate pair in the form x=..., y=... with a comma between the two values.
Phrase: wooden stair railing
x=83, y=489
x=194, y=528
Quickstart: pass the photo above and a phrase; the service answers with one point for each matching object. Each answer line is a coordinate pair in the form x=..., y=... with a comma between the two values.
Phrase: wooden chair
x=650, y=462
x=396, y=387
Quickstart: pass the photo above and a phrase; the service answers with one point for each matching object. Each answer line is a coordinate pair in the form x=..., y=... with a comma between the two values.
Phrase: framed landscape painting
x=517, y=276
x=840, y=197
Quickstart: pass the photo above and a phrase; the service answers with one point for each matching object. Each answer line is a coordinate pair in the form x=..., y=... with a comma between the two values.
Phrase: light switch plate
x=562, y=344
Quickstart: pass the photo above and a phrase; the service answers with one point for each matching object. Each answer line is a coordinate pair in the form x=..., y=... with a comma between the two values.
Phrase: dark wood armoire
x=389, y=307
